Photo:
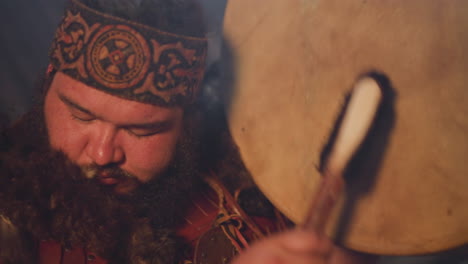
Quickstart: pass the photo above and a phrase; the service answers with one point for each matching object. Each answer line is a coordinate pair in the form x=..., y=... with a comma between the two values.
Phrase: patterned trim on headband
x=128, y=59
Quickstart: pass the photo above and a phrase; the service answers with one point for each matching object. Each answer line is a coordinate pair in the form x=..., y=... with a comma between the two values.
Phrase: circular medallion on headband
x=117, y=57
x=127, y=59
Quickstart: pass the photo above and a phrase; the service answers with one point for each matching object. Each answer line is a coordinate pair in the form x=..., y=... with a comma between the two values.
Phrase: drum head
x=295, y=61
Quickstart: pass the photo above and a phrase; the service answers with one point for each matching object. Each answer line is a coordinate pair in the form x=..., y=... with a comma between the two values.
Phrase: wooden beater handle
x=358, y=118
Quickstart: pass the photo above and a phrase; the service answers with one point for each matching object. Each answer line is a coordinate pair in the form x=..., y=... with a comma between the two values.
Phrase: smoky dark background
x=26, y=31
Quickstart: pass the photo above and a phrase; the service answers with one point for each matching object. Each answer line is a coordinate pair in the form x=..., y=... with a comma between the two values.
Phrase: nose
x=102, y=147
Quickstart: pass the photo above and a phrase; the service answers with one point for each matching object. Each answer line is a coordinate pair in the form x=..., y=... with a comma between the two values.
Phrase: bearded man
x=109, y=167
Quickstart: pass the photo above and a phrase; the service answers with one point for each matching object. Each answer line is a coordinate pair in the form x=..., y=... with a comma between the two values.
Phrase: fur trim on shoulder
x=14, y=246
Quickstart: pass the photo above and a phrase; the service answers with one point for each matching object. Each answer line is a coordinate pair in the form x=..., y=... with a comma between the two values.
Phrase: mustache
x=112, y=170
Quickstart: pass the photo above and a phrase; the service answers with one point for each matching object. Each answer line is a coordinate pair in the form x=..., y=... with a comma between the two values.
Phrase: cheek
x=63, y=133
x=148, y=158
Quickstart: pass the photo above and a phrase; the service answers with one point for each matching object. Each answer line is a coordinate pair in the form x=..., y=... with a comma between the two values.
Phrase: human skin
x=300, y=247
x=94, y=127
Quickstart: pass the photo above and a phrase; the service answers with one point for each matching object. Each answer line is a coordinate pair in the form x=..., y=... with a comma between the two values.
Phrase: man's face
x=110, y=136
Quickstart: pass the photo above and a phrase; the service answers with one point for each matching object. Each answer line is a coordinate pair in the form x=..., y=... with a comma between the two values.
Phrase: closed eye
x=77, y=112
x=81, y=116
x=149, y=129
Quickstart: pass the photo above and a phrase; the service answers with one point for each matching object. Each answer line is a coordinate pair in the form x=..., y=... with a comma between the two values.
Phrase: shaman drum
x=293, y=62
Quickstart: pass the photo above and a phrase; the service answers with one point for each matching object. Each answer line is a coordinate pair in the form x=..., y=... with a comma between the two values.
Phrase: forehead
x=107, y=106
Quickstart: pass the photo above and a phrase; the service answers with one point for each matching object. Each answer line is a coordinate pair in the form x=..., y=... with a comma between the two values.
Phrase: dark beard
x=47, y=196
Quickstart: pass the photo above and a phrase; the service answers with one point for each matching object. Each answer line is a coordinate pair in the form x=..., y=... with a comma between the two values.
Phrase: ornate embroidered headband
x=128, y=59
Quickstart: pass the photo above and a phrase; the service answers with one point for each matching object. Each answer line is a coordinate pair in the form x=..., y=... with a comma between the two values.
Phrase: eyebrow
x=154, y=125
x=72, y=104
